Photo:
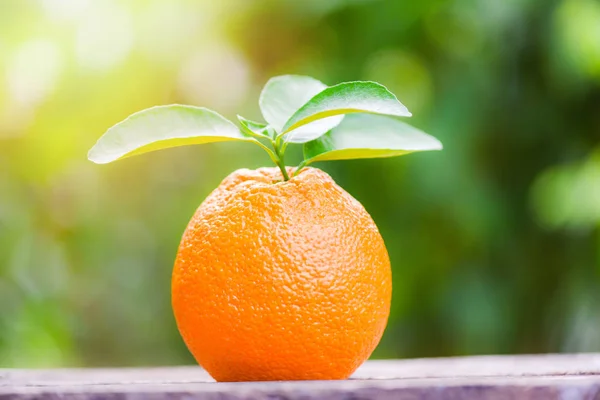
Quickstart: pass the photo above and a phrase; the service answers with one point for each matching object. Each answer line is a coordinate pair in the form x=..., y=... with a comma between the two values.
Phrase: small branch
x=299, y=167
x=281, y=163
x=272, y=155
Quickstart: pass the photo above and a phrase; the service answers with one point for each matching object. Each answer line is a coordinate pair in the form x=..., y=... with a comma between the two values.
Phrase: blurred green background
x=494, y=241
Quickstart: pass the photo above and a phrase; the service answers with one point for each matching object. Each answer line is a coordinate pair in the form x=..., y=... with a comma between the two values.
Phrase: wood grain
x=564, y=377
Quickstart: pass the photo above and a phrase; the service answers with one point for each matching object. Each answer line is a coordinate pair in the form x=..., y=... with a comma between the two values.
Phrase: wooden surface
x=564, y=377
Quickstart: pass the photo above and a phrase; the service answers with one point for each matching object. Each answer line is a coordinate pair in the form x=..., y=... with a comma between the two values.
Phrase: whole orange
x=281, y=280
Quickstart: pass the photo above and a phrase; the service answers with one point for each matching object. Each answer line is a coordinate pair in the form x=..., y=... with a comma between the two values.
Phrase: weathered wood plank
x=564, y=377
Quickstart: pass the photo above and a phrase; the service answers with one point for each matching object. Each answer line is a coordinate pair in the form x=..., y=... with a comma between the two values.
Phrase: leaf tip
x=94, y=157
x=438, y=145
x=97, y=156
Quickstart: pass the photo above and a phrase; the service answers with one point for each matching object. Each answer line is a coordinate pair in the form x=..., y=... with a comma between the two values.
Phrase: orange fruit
x=281, y=280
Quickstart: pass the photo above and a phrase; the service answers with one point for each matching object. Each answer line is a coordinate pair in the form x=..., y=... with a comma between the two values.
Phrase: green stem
x=276, y=157
x=272, y=155
x=281, y=162
x=276, y=154
x=299, y=167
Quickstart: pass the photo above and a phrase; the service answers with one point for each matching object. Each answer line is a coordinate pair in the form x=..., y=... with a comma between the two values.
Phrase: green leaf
x=368, y=136
x=346, y=98
x=256, y=129
x=162, y=127
x=283, y=95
